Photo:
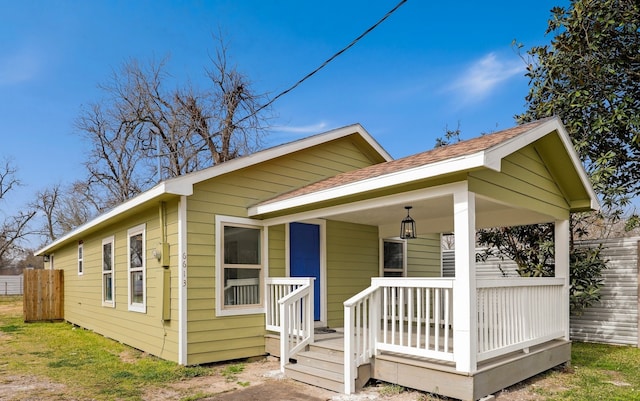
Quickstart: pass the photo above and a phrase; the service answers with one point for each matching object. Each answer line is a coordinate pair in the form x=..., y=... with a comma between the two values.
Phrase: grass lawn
x=90, y=366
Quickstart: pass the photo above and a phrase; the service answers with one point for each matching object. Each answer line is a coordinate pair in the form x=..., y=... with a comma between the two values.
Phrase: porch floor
x=434, y=376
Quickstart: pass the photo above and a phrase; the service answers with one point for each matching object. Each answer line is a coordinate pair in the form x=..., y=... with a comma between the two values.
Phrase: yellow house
x=254, y=255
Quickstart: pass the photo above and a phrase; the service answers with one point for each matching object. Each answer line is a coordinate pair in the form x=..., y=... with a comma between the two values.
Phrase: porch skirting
x=441, y=377
x=491, y=377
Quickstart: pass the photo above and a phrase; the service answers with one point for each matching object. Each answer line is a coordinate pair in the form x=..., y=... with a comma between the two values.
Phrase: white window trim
x=404, y=251
x=111, y=303
x=221, y=221
x=80, y=259
x=137, y=307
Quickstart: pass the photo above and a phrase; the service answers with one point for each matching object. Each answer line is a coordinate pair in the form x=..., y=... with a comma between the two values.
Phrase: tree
x=532, y=248
x=589, y=76
x=450, y=137
x=63, y=209
x=13, y=229
x=143, y=132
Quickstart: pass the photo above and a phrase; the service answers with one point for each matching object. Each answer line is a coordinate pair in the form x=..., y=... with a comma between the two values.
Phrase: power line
x=330, y=59
x=309, y=75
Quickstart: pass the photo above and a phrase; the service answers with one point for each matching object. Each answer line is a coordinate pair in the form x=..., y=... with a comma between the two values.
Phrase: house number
x=184, y=269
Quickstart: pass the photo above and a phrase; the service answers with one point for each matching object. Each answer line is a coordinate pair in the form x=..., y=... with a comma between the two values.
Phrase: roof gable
x=183, y=185
x=486, y=151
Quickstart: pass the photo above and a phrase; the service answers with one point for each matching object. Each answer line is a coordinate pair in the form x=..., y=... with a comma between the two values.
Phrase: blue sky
x=431, y=65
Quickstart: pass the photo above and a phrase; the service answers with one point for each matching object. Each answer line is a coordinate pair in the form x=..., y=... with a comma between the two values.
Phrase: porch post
x=465, y=336
x=561, y=243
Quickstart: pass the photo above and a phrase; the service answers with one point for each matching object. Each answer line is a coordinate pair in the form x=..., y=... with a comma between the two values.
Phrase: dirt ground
x=260, y=380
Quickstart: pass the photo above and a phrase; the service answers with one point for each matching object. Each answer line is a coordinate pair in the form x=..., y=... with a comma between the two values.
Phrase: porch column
x=465, y=334
x=561, y=243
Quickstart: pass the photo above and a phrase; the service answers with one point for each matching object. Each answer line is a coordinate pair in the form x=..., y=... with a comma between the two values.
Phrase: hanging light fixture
x=408, y=226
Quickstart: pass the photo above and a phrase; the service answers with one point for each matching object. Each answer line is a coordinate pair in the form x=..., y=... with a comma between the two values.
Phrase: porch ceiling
x=435, y=215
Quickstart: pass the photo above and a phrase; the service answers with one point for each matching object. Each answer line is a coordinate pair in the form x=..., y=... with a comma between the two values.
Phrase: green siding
x=352, y=259
x=83, y=294
x=211, y=338
x=277, y=258
x=524, y=181
x=424, y=256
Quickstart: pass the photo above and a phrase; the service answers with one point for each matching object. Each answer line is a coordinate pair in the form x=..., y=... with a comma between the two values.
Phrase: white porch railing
x=517, y=313
x=412, y=316
x=289, y=311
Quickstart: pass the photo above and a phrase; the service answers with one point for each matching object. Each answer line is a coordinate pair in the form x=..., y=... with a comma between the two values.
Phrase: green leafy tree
x=532, y=248
x=589, y=76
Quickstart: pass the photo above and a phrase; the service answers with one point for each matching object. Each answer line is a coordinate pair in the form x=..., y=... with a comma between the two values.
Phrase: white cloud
x=301, y=129
x=484, y=76
x=18, y=67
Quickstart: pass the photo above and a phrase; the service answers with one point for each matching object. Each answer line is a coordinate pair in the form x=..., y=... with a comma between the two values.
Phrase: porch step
x=330, y=380
x=322, y=365
x=321, y=360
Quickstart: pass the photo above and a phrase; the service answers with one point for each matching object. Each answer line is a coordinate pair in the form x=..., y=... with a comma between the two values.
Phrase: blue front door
x=304, y=257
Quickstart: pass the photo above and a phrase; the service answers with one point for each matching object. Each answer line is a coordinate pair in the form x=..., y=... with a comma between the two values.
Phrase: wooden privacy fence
x=43, y=295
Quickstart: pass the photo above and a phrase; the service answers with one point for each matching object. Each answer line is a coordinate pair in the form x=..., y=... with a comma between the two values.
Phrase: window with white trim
x=241, y=268
x=108, y=279
x=80, y=258
x=394, y=258
x=136, y=268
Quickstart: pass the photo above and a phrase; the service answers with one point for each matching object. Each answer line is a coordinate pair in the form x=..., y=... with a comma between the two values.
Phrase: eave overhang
x=490, y=158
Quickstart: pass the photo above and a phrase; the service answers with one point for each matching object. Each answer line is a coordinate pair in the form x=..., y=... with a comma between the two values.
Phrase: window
x=136, y=268
x=80, y=258
x=240, y=287
x=393, y=258
x=107, y=272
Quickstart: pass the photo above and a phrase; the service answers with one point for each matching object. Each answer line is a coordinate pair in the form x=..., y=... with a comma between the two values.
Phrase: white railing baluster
x=429, y=311
x=447, y=301
x=515, y=314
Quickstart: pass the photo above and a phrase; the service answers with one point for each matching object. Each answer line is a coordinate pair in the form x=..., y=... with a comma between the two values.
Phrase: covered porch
x=402, y=331
x=463, y=336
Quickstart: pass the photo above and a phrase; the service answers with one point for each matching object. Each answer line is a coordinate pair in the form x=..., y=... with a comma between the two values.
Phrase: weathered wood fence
x=43, y=295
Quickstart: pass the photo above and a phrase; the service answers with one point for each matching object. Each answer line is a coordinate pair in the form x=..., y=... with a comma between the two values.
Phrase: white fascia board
x=586, y=182
x=498, y=152
x=400, y=198
x=166, y=187
x=281, y=150
x=427, y=171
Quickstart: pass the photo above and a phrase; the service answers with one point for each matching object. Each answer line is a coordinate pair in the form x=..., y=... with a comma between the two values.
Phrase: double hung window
x=136, y=268
x=107, y=272
x=241, y=268
x=80, y=259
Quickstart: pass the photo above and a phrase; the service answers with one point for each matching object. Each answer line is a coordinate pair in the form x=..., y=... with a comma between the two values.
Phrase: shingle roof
x=452, y=151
